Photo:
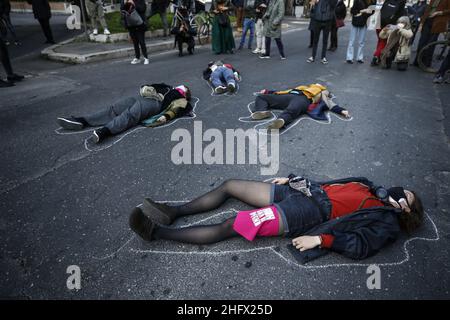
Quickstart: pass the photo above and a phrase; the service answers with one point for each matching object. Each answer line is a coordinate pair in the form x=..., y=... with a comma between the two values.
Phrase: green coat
x=272, y=19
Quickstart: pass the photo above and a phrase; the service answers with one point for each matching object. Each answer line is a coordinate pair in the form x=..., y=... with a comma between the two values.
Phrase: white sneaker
x=146, y=61
x=256, y=51
x=95, y=32
x=135, y=61
x=220, y=89
x=106, y=32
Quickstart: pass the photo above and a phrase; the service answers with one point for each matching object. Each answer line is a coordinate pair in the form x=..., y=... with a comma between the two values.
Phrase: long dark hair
x=411, y=221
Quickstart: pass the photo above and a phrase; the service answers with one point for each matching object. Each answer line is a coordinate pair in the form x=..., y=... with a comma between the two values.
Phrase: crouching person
x=155, y=105
x=184, y=32
x=398, y=46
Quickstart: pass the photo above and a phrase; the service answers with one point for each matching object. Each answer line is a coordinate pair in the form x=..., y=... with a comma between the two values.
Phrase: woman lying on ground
x=155, y=105
x=313, y=99
x=350, y=216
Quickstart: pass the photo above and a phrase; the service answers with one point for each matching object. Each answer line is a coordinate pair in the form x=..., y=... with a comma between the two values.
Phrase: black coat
x=358, y=235
x=360, y=21
x=391, y=11
x=41, y=9
x=324, y=10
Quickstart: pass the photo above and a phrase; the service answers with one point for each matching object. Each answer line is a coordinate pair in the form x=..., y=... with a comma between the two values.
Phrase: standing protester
x=42, y=12
x=137, y=30
x=160, y=7
x=5, y=11
x=272, y=27
x=398, y=45
x=389, y=14
x=261, y=7
x=97, y=15
x=322, y=14
x=433, y=22
x=249, y=23
x=11, y=77
x=415, y=13
x=360, y=13
x=340, y=12
x=239, y=10
x=222, y=34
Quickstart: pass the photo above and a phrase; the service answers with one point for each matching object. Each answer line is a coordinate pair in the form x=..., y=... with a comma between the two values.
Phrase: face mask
x=398, y=193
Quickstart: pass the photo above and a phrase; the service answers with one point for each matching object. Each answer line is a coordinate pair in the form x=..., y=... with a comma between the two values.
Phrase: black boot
x=100, y=134
x=141, y=224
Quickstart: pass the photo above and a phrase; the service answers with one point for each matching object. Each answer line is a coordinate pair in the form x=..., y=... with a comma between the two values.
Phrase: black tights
x=253, y=193
x=138, y=37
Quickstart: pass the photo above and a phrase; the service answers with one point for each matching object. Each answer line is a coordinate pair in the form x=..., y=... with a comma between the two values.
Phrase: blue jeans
x=249, y=24
x=221, y=75
x=358, y=34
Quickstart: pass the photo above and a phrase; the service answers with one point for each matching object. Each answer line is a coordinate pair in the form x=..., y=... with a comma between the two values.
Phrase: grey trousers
x=293, y=105
x=96, y=13
x=124, y=114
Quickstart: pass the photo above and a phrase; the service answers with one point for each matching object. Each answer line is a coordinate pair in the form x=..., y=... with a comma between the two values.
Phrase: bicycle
x=439, y=49
x=204, y=21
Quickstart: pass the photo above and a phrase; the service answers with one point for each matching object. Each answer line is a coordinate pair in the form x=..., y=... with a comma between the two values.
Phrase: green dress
x=222, y=36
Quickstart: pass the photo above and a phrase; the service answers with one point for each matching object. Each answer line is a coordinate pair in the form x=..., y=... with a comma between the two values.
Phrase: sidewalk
x=79, y=50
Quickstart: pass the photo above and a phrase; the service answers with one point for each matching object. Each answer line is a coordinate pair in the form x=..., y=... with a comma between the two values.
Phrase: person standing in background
x=137, y=33
x=249, y=23
x=322, y=13
x=340, y=12
x=11, y=77
x=222, y=33
x=160, y=7
x=97, y=15
x=42, y=12
x=434, y=21
x=5, y=11
x=261, y=7
x=360, y=13
x=272, y=27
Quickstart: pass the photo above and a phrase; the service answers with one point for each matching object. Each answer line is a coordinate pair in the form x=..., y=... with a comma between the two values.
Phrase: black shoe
x=15, y=78
x=374, y=62
x=310, y=46
x=157, y=212
x=141, y=224
x=180, y=54
x=5, y=84
x=349, y=61
x=70, y=123
x=100, y=134
x=360, y=61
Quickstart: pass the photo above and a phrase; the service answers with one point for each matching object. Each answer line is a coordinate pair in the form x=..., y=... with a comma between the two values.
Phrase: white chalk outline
x=128, y=132
x=264, y=122
x=272, y=248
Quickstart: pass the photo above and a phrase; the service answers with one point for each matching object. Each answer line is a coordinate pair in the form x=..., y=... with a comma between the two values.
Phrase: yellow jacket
x=311, y=91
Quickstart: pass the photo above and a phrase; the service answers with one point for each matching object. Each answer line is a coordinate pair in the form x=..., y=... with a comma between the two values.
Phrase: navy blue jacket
x=358, y=235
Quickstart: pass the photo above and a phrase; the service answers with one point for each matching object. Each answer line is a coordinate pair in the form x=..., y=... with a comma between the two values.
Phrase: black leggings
x=325, y=27
x=279, y=45
x=253, y=193
x=45, y=25
x=138, y=37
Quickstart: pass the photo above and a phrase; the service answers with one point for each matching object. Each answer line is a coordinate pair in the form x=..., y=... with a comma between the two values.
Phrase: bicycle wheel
x=203, y=33
x=438, y=51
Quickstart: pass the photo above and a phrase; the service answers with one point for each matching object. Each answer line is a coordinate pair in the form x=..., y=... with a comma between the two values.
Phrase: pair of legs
x=381, y=43
x=279, y=45
x=260, y=41
x=137, y=35
x=45, y=25
x=293, y=105
x=425, y=38
x=253, y=193
x=357, y=37
x=10, y=27
x=124, y=114
x=163, y=16
x=95, y=10
x=222, y=77
x=317, y=28
x=333, y=35
x=249, y=25
x=10, y=75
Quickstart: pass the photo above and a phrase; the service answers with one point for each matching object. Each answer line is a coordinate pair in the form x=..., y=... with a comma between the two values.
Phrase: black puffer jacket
x=391, y=11
x=358, y=235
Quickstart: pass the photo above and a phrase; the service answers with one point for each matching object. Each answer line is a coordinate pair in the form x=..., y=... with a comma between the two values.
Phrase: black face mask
x=397, y=193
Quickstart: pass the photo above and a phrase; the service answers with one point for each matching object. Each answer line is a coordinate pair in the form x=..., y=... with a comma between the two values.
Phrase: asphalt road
x=64, y=204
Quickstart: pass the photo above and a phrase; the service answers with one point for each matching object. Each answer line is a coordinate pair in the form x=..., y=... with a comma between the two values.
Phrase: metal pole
x=83, y=16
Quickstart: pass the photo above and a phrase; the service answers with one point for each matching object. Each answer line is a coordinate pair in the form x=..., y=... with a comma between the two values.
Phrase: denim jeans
x=249, y=24
x=357, y=34
x=221, y=75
